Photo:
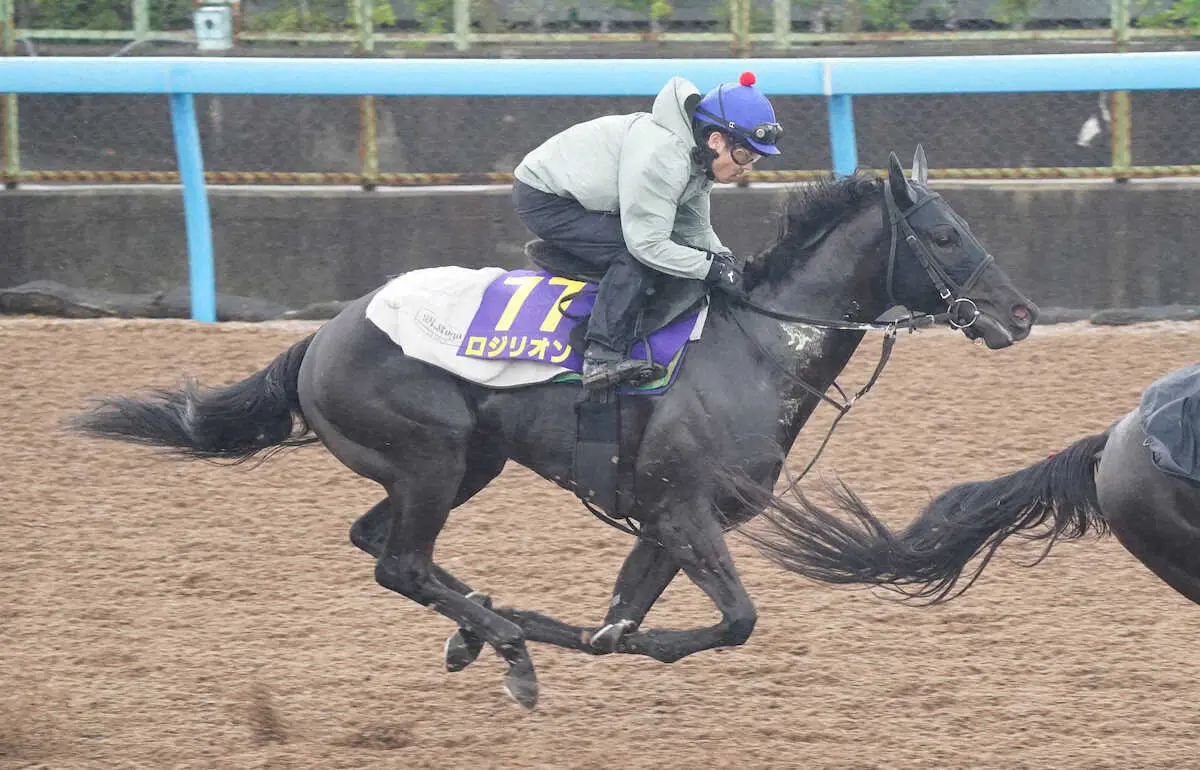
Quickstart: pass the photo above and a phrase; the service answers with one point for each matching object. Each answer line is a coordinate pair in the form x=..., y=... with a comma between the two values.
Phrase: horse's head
x=937, y=264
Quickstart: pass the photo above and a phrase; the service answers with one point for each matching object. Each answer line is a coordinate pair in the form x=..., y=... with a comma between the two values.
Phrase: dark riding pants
x=594, y=238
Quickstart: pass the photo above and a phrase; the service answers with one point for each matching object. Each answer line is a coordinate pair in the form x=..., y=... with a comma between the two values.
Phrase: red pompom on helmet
x=747, y=79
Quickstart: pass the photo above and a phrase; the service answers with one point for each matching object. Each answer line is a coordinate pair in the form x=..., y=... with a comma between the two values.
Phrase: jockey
x=630, y=194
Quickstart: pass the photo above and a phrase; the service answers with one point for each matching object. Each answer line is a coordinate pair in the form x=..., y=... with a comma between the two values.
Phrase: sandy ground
x=162, y=614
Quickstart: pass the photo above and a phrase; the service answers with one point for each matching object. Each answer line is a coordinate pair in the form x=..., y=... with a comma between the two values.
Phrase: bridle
x=950, y=291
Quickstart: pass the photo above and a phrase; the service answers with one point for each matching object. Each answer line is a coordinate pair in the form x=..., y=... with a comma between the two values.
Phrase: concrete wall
x=1075, y=245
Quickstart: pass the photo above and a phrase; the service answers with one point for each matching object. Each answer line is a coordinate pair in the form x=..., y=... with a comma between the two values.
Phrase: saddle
x=601, y=475
x=1170, y=416
x=672, y=298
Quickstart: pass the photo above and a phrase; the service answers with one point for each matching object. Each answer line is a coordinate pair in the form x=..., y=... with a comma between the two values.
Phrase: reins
x=951, y=292
x=843, y=407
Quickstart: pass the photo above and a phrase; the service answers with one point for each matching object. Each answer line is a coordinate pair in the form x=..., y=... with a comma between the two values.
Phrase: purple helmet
x=743, y=111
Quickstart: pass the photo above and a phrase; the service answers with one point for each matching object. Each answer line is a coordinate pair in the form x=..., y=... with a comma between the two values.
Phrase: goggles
x=744, y=156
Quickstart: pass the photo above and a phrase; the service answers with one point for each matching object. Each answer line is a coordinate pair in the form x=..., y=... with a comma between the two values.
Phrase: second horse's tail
x=262, y=412
x=927, y=559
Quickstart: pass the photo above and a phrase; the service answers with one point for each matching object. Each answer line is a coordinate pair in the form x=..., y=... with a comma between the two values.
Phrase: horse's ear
x=920, y=168
x=900, y=190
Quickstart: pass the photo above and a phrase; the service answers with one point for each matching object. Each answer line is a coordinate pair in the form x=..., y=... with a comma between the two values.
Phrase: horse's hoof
x=521, y=686
x=480, y=598
x=462, y=648
x=607, y=638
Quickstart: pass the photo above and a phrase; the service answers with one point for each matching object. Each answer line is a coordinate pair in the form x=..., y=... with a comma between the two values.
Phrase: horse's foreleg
x=646, y=572
x=695, y=541
x=698, y=543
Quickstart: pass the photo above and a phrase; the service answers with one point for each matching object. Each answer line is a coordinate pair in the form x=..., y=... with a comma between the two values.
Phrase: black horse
x=1126, y=479
x=849, y=250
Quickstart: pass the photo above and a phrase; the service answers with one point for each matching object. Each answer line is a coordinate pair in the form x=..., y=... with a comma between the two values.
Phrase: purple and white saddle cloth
x=507, y=328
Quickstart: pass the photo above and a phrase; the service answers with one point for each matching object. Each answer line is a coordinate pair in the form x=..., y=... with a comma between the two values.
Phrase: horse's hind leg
x=370, y=532
x=421, y=500
x=406, y=567
x=484, y=463
x=646, y=572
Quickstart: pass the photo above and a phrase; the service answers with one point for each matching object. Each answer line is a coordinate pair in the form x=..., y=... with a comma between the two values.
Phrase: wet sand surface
x=164, y=614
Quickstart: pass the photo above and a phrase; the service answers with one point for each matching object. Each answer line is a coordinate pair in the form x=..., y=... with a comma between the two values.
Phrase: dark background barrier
x=437, y=134
x=1081, y=245
x=1074, y=245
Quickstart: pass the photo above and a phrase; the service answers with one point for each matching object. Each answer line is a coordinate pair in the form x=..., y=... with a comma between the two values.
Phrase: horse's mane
x=805, y=212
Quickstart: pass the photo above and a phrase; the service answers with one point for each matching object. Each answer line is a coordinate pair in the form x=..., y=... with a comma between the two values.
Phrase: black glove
x=725, y=275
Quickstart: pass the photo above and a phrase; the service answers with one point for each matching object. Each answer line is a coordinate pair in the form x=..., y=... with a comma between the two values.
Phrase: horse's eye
x=942, y=238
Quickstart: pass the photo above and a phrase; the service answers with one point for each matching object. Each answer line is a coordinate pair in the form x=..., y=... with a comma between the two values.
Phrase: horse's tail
x=233, y=423
x=927, y=559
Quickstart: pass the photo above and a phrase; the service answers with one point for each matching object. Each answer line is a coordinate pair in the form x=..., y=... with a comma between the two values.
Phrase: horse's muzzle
x=1001, y=330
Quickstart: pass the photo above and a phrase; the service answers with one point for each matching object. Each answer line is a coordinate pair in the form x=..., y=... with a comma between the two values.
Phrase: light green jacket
x=639, y=166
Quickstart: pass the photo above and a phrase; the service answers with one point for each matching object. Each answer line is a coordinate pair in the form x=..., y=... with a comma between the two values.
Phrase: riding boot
x=619, y=300
x=604, y=367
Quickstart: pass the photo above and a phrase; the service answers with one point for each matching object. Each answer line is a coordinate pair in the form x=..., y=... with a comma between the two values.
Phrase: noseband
x=951, y=292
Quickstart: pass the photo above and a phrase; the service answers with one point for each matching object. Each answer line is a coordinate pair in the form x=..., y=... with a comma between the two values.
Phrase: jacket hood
x=671, y=111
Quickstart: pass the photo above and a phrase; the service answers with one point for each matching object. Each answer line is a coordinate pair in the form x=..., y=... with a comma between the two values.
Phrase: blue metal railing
x=837, y=79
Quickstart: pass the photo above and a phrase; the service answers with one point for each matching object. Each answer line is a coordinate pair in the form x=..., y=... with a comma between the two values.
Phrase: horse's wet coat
x=703, y=453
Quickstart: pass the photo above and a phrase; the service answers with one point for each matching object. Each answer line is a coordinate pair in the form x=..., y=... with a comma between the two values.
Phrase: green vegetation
x=887, y=15
x=1014, y=13
x=102, y=14
x=1181, y=13
x=436, y=15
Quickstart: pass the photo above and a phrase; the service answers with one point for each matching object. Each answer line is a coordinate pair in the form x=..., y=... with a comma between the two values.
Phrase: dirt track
x=166, y=615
